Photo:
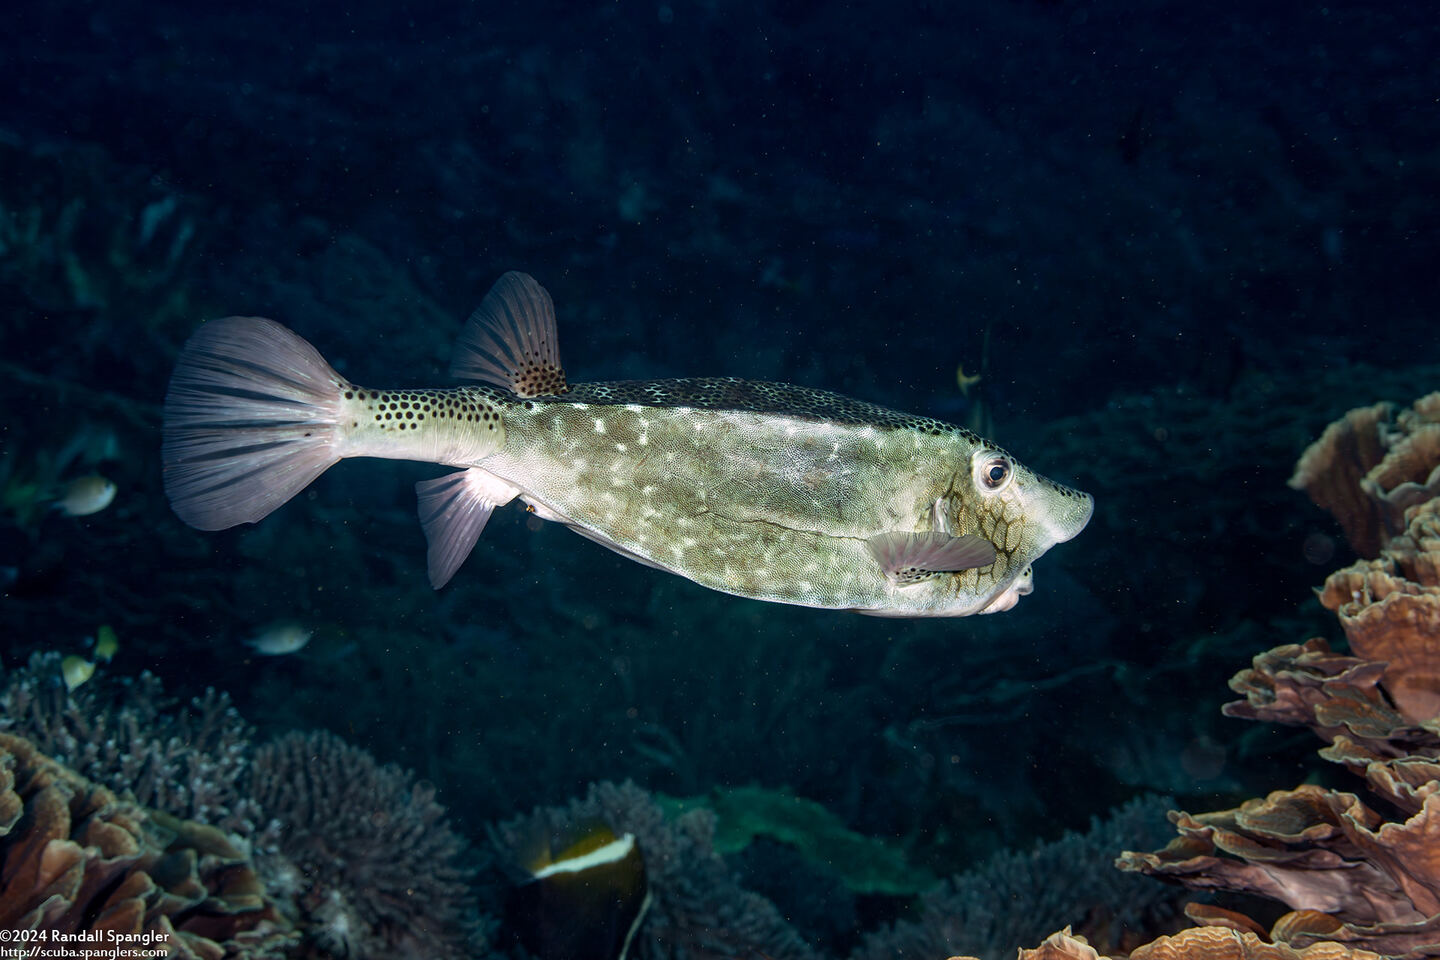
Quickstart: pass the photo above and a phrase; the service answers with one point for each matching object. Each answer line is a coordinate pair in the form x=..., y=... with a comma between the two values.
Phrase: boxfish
x=765, y=490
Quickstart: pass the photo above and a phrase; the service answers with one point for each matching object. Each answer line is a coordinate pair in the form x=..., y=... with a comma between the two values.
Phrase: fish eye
x=994, y=472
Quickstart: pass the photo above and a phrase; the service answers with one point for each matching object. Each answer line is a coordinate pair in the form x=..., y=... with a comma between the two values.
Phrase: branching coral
x=698, y=910
x=379, y=872
x=1349, y=871
x=364, y=859
x=77, y=858
x=189, y=761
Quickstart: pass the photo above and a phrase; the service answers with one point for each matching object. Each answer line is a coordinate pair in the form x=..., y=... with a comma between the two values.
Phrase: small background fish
x=280, y=639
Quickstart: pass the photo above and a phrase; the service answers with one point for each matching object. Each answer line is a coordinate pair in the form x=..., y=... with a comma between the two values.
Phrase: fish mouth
x=1006, y=598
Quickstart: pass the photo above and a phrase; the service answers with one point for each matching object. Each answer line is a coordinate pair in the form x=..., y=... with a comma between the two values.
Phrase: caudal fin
x=250, y=420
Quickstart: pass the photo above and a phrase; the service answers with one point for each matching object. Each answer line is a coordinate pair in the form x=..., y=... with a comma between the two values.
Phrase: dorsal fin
x=510, y=340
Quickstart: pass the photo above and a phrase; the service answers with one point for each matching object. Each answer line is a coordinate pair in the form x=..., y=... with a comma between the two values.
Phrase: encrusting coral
x=77, y=859
x=1350, y=869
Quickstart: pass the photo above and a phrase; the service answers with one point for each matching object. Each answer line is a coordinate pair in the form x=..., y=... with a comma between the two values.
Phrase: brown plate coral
x=78, y=859
x=1360, y=871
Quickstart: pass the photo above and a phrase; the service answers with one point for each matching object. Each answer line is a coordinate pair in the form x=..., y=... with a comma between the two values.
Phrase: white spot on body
x=599, y=425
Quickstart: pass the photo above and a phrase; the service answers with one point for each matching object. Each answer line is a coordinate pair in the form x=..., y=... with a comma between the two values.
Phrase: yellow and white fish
x=763, y=490
x=76, y=670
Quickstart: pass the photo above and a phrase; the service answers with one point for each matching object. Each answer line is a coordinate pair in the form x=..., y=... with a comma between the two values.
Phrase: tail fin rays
x=250, y=420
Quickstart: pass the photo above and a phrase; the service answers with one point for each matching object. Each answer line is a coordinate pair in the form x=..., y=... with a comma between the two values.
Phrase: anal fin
x=453, y=511
x=911, y=557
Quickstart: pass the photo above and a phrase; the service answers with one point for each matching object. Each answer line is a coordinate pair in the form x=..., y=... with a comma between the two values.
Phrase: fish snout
x=1061, y=510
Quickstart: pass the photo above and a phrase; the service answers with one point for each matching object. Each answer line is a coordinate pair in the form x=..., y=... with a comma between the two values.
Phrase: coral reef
x=359, y=857
x=78, y=859
x=188, y=761
x=375, y=865
x=863, y=864
x=697, y=910
x=1199, y=943
x=1016, y=896
x=1351, y=871
x=1372, y=464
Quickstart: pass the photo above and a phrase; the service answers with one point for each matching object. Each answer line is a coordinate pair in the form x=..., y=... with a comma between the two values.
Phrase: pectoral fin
x=453, y=511
x=912, y=557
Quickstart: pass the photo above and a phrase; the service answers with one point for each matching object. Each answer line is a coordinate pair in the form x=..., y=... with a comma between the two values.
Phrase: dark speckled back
x=757, y=396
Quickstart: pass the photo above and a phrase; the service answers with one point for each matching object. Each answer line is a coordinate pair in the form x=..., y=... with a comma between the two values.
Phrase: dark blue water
x=1174, y=243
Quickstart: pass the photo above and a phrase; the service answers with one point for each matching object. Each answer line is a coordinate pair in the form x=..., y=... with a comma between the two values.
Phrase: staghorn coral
x=373, y=865
x=189, y=761
x=1372, y=464
x=1016, y=896
x=697, y=910
x=76, y=858
x=1349, y=870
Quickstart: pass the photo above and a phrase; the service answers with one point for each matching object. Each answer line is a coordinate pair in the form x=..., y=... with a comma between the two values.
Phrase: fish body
x=85, y=495
x=75, y=671
x=764, y=490
x=280, y=639
x=582, y=902
x=107, y=643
